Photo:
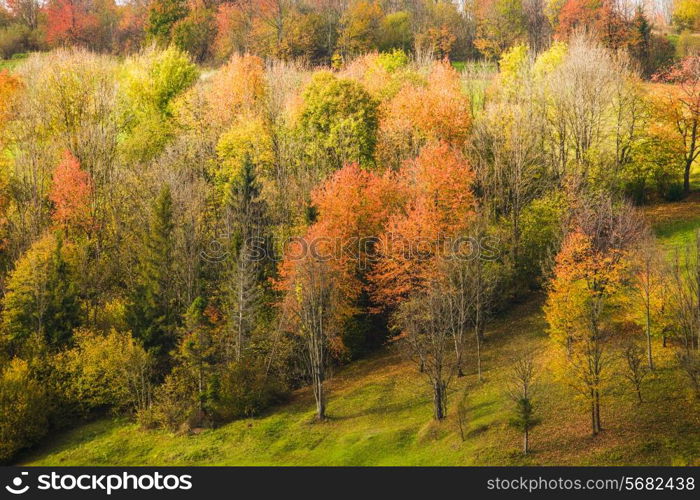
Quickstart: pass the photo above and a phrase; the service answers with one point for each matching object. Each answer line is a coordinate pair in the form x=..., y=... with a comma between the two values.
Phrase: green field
x=10, y=64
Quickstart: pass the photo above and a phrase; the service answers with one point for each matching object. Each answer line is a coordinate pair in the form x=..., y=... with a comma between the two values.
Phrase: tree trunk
x=594, y=427
x=478, y=356
x=319, y=396
x=526, y=441
x=439, y=400
x=649, y=356
x=599, y=425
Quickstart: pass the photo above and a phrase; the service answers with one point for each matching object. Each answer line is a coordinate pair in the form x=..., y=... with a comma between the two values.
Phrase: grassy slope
x=380, y=413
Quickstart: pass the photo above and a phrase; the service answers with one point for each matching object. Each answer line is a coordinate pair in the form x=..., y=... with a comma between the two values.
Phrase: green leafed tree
x=162, y=17
x=341, y=120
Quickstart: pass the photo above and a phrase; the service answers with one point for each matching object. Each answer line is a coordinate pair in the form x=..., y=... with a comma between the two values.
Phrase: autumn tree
x=361, y=24
x=26, y=11
x=588, y=278
x=440, y=209
x=150, y=84
x=9, y=86
x=313, y=307
x=353, y=207
x=635, y=369
x=195, y=32
x=110, y=370
x=679, y=103
x=41, y=295
x=426, y=338
x=510, y=164
x=24, y=408
x=70, y=193
x=648, y=286
x=499, y=24
x=340, y=118
x=72, y=22
x=162, y=18
x=686, y=15
x=418, y=114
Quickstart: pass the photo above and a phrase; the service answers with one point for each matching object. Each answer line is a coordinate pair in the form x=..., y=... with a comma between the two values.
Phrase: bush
x=23, y=409
x=107, y=371
x=674, y=192
x=14, y=39
x=236, y=390
x=244, y=390
x=174, y=405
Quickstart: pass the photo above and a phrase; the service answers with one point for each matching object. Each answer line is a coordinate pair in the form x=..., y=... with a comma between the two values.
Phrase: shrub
x=23, y=409
x=174, y=405
x=14, y=39
x=244, y=390
x=674, y=192
x=107, y=371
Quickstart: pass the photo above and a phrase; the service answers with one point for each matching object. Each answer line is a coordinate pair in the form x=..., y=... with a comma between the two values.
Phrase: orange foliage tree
x=9, y=86
x=440, y=210
x=236, y=88
x=589, y=273
x=70, y=22
x=678, y=103
x=70, y=193
x=436, y=111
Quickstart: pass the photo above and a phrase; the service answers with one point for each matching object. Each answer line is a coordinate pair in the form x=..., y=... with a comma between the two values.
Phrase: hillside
x=380, y=414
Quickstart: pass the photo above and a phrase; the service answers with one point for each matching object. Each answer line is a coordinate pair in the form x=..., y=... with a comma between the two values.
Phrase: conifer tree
x=42, y=296
x=152, y=310
x=243, y=286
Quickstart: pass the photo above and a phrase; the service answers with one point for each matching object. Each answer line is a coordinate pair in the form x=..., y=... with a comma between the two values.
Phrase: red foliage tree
x=577, y=14
x=70, y=22
x=70, y=193
x=600, y=17
x=440, y=211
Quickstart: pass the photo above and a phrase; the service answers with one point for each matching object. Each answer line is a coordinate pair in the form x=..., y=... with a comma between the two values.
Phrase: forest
x=480, y=219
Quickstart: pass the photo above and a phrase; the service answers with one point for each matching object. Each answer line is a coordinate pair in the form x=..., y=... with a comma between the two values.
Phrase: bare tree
x=521, y=381
x=312, y=305
x=581, y=115
x=636, y=371
x=427, y=340
x=684, y=292
x=539, y=30
x=647, y=283
x=510, y=163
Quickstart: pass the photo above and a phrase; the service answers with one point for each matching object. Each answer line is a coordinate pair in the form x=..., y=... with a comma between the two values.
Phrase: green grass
x=380, y=414
x=11, y=64
x=676, y=224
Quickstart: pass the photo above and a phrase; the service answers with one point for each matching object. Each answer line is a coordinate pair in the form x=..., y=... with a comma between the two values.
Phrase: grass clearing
x=380, y=414
x=11, y=64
